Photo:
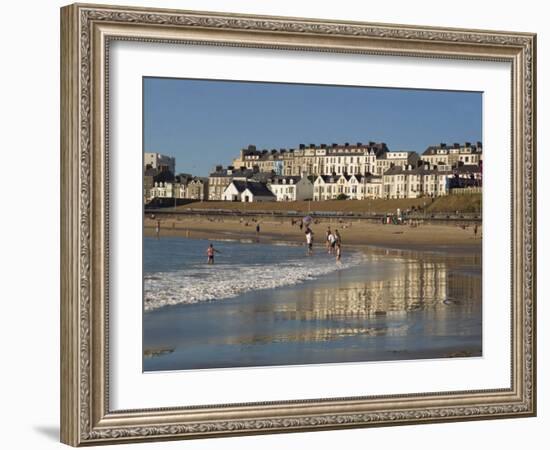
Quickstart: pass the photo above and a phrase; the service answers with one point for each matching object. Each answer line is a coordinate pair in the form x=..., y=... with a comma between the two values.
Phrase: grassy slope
x=451, y=203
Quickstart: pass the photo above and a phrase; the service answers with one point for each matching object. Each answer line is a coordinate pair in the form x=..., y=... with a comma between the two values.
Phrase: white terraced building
x=429, y=180
x=413, y=182
x=291, y=188
x=467, y=153
x=313, y=159
x=355, y=187
x=358, y=170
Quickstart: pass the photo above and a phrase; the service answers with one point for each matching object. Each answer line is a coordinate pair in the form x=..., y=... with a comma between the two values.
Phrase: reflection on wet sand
x=395, y=306
x=414, y=286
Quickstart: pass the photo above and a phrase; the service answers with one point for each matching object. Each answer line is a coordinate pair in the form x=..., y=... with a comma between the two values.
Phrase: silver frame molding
x=86, y=32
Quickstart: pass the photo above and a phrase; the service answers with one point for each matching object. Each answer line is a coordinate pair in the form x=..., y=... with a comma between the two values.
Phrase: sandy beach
x=421, y=300
x=425, y=237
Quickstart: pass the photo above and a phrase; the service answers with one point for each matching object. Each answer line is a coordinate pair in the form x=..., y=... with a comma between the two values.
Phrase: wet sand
x=427, y=237
x=397, y=306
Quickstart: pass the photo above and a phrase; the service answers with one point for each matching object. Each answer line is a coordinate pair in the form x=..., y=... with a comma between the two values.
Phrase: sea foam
x=202, y=283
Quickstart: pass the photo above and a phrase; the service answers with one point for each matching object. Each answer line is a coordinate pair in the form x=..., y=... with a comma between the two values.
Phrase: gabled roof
x=259, y=189
x=199, y=180
x=329, y=178
x=255, y=187
x=240, y=185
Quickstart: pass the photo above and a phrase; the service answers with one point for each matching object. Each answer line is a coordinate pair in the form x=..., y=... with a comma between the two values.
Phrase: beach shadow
x=51, y=432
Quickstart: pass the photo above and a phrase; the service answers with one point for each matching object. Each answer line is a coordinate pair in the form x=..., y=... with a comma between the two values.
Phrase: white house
x=325, y=187
x=355, y=187
x=413, y=182
x=371, y=187
x=197, y=189
x=359, y=187
x=165, y=189
x=247, y=191
x=291, y=188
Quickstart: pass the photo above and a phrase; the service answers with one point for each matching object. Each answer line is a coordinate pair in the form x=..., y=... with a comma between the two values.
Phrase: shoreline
x=354, y=315
x=425, y=237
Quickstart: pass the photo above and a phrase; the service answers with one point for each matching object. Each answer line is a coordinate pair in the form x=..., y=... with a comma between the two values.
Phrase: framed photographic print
x=279, y=224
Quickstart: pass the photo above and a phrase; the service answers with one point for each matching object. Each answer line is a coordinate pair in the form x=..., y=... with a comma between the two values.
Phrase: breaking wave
x=202, y=283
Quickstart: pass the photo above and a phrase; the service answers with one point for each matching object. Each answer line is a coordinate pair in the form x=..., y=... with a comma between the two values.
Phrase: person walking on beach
x=475, y=231
x=338, y=237
x=331, y=242
x=328, y=235
x=157, y=229
x=309, y=241
x=210, y=253
x=257, y=230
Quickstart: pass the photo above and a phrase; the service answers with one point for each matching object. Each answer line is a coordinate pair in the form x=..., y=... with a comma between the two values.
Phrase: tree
x=342, y=197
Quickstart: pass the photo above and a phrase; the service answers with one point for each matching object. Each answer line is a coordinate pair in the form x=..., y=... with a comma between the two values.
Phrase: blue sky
x=205, y=123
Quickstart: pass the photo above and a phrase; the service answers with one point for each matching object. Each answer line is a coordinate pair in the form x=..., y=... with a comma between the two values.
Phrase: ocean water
x=266, y=304
x=175, y=269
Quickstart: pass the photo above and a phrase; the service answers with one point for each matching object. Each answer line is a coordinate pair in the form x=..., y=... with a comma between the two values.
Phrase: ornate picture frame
x=87, y=32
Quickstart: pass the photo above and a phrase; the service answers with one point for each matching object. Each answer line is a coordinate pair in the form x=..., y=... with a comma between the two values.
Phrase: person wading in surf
x=210, y=251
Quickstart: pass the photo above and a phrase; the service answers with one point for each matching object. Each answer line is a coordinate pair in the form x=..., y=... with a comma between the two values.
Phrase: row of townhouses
x=321, y=159
x=354, y=171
